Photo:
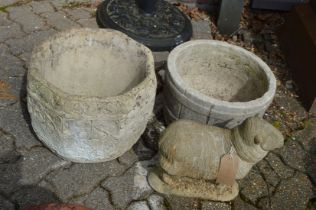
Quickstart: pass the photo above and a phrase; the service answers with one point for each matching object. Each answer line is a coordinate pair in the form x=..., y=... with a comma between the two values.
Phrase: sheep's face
x=255, y=138
x=263, y=134
x=270, y=138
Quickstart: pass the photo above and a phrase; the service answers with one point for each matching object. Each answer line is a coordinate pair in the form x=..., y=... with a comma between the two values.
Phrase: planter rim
x=264, y=100
x=149, y=74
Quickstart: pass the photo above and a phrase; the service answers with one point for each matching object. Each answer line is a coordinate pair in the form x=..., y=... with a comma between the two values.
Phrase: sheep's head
x=257, y=137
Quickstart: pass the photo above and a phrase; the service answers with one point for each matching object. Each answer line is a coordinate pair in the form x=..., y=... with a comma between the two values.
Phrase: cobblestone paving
x=31, y=174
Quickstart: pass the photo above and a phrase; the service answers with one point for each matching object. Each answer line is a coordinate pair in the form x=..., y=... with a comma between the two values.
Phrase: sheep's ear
x=257, y=140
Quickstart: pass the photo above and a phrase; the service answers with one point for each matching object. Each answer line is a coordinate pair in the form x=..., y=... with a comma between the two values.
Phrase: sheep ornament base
x=191, y=157
x=188, y=187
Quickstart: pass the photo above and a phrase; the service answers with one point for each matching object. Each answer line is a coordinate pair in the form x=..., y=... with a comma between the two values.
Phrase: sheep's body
x=190, y=151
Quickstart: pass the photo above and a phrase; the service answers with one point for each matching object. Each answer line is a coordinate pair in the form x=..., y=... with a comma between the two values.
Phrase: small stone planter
x=216, y=83
x=90, y=93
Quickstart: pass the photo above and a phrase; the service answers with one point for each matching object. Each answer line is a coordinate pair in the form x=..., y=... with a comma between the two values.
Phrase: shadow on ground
x=13, y=193
x=311, y=169
x=23, y=104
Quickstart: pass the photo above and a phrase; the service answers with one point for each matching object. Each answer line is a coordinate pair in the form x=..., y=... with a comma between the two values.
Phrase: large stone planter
x=90, y=93
x=216, y=83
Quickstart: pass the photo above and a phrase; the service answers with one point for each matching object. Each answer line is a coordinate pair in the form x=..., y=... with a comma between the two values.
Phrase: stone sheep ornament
x=203, y=161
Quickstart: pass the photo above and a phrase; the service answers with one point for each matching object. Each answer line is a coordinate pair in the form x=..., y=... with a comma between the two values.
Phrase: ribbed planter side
x=184, y=102
x=80, y=127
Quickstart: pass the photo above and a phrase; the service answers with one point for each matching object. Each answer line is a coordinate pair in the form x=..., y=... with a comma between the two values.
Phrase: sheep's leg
x=188, y=187
x=172, y=167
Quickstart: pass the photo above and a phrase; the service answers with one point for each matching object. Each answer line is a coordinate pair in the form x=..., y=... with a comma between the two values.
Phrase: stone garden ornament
x=90, y=93
x=203, y=161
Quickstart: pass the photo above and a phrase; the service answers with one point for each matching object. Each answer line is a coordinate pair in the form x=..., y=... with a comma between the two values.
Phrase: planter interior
x=221, y=73
x=92, y=69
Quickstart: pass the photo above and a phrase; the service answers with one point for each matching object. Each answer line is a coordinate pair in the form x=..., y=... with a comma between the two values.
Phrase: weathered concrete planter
x=216, y=83
x=90, y=93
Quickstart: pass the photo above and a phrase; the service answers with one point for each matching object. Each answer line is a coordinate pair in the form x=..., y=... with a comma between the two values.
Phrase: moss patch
x=4, y=9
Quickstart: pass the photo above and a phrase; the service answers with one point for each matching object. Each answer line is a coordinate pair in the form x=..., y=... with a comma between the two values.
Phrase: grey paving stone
x=38, y=162
x=59, y=20
x=46, y=185
x=27, y=43
x=292, y=105
x=10, y=31
x=28, y=20
x=306, y=136
x=132, y=185
x=293, y=155
x=201, y=29
x=98, y=199
x=78, y=13
x=7, y=2
x=58, y=4
x=140, y=205
x=27, y=169
x=39, y=7
x=8, y=154
x=311, y=165
x=180, y=203
x=25, y=56
x=81, y=178
x=76, y=200
x=268, y=173
x=6, y=204
x=10, y=65
x=278, y=166
x=10, y=175
x=128, y=158
x=210, y=205
x=93, y=8
x=4, y=21
x=293, y=193
x=33, y=195
x=6, y=143
x=253, y=187
x=12, y=119
x=65, y=3
x=156, y=202
x=240, y=204
x=88, y=23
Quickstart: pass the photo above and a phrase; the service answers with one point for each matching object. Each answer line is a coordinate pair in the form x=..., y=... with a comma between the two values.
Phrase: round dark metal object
x=157, y=24
x=148, y=6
